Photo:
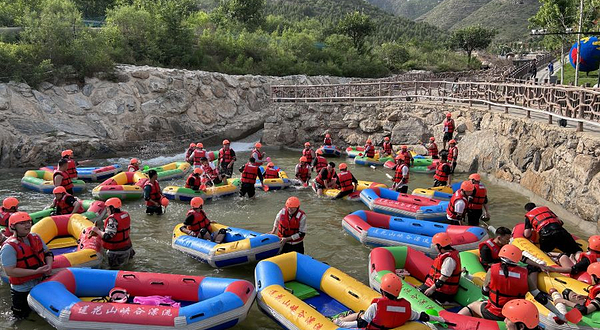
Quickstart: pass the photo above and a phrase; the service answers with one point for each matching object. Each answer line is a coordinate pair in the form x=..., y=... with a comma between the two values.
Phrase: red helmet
x=114, y=202
x=225, y=142
x=319, y=151
x=400, y=157
x=521, y=310
x=593, y=242
x=511, y=253
x=59, y=190
x=387, y=138
x=192, y=145
x=303, y=159
x=134, y=161
x=257, y=145
x=307, y=144
x=432, y=139
x=593, y=269
x=270, y=164
x=199, y=145
x=196, y=202
x=369, y=141
x=327, y=135
x=404, y=147
x=67, y=152
x=343, y=166
x=475, y=177
x=198, y=170
x=18, y=217
x=443, y=239
x=10, y=202
x=453, y=141
x=391, y=284
x=292, y=202
x=448, y=115
x=467, y=186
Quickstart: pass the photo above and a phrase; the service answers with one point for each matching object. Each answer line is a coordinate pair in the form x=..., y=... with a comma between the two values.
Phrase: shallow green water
x=325, y=240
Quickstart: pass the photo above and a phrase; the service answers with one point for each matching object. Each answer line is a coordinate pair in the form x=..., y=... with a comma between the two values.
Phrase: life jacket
x=540, y=217
x=289, y=226
x=155, y=193
x=592, y=293
x=62, y=207
x=369, y=151
x=505, y=288
x=478, y=198
x=132, y=168
x=189, y=151
x=197, y=154
x=211, y=173
x=590, y=255
x=327, y=141
x=440, y=175
x=495, y=248
x=250, y=173
x=321, y=163
x=72, y=168
x=321, y=180
x=4, y=215
x=345, y=181
x=121, y=240
x=303, y=172
x=200, y=220
x=398, y=177
x=407, y=157
x=432, y=149
x=452, y=154
x=270, y=173
x=449, y=126
x=225, y=156
x=28, y=256
x=387, y=148
x=390, y=313
x=66, y=179
x=258, y=156
x=193, y=182
x=450, y=287
x=450, y=212
x=308, y=154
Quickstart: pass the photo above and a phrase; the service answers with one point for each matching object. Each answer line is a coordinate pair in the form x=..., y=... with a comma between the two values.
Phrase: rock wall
x=556, y=164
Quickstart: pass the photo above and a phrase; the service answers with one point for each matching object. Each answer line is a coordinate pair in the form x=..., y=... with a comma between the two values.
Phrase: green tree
x=357, y=26
x=472, y=38
x=248, y=12
x=94, y=9
x=393, y=55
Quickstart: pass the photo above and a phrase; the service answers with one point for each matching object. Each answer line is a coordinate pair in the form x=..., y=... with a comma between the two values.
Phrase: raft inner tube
x=390, y=202
x=125, y=186
x=42, y=181
x=186, y=194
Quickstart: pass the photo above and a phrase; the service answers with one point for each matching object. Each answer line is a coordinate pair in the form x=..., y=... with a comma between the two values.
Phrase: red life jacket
x=449, y=126
x=250, y=173
x=155, y=193
x=66, y=179
x=4, y=215
x=590, y=255
x=450, y=287
x=592, y=293
x=390, y=313
x=308, y=154
x=432, y=149
x=440, y=175
x=72, y=168
x=345, y=179
x=540, y=217
x=321, y=163
x=193, y=182
x=287, y=226
x=327, y=141
x=270, y=173
x=132, y=168
x=398, y=175
x=121, y=240
x=495, y=248
x=62, y=207
x=369, y=151
x=303, y=172
x=197, y=154
x=200, y=220
x=387, y=148
x=450, y=212
x=28, y=256
x=225, y=156
x=478, y=199
x=211, y=173
x=452, y=154
x=504, y=289
x=258, y=156
x=321, y=180
x=407, y=157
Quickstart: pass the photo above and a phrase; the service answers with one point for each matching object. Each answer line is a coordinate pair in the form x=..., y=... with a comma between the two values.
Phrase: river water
x=325, y=240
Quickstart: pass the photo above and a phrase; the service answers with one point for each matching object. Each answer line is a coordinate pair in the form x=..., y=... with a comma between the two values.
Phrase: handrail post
x=470, y=96
x=580, y=124
x=416, y=90
x=505, y=98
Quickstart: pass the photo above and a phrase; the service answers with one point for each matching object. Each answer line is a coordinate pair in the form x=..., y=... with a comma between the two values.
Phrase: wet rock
x=71, y=89
x=141, y=74
x=87, y=89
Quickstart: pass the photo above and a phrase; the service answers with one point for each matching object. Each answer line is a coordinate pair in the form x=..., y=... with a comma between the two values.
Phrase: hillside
x=406, y=8
x=450, y=12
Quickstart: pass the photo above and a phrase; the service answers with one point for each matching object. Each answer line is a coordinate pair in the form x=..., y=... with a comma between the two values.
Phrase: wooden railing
x=579, y=105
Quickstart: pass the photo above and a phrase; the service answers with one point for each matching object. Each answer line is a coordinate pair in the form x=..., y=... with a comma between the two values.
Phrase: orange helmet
x=593, y=241
x=59, y=190
x=319, y=151
x=443, y=239
x=199, y=145
x=134, y=161
x=192, y=145
x=400, y=157
x=521, y=310
x=593, y=269
x=453, y=141
x=467, y=186
x=114, y=202
x=391, y=284
x=67, y=152
x=270, y=164
x=404, y=147
x=196, y=202
x=307, y=144
x=303, y=159
x=225, y=142
x=369, y=141
x=387, y=138
x=18, y=217
x=164, y=201
x=432, y=139
x=198, y=170
x=448, y=115
x=292, y=202
x=10, y=202
x=475, y=177
x=327, y=135
x=257, y=145
x=511, y=253
x=123, y=295
x=343, y=166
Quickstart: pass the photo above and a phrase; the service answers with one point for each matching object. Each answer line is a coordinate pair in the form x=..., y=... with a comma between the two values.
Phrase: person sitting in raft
x=197, y=224
x=369, y=149
x=441, y=283
x=303, y=171
x=408, y=159
x=226, y=159
x=10, y=205
x=134, y=165
x=65, y=203
x=194, y=181
x=325, y=179
x=271, y=172
x=319, y=162
x=72, y=163
x=401, y=176
x=250, y=171
x=211, y=174
x=290, y=226
x=61, y=177
x=552, y=234
x=459, y=203
x=521, y=314
x=258, y=155
x=115, y=234
x=26, y=260
x=153, y=194
x=577, y=263
x=478, y=202
x=197, y=155
x=387, y=312
x=489, y=249
x=387, y=148
x=308, y=152
x=443, y=171
x=432, y=149
x=448, y=128
x=188, y=153
x=585, y=304
x=327, y=140
x=453, y=154
x=346, y=182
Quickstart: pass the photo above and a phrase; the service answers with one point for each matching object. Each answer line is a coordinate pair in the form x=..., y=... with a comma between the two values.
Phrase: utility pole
x=579, y=43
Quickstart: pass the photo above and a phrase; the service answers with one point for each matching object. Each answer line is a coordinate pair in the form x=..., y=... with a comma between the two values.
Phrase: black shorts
x=343, y=194
x=20, y=307
x=151, y=209
x=473, y=217
x=247, y=188
x=319, y=186
x=293, y=248
x=556, y=237
x=440, y=297
x=227, y=171
x=448, y=136
x=437, y=183
x=488, y=315
x=402, y=189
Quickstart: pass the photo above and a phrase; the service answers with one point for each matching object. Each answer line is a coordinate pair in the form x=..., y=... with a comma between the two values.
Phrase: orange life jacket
x=66, y=179
x=478, y=199
x=345, y=179
x=250, y=173
x=288, y=226
x=193, y=182
x=197, y=154
x=407, y=157
x=450, y=212
x=390, y=313
x=440, y=175
x=155, y=193
x=303, y=172
x=450, y=287
x=121, y=240
x=398, y=177
x=200, y=221
x=308, y=154
x=432, y=149
x=369, y=151
x=28, y=256
x=495, y=248
x=72, y=168
x=321, y=163
x=387, y=148
x=225, y=157
x=270, y=173
x=506, y=287
x=62, y=207
x=452, y=154
x=540, y=217
x=449, y=126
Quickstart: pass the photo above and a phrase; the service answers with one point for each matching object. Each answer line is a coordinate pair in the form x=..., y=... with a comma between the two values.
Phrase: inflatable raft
x=383, y=260
x=301, y=293
x=205, y=302
x=94, y=211
x=186, y=194
x=240, y=246
x=42, y=181
x=125, y=186
x=355, y=196
x=170, y=171
x=378, y=229
x=274, y=184
x=441, y=193
x=387, y=201
x=89, y=174
x=354, y=151
x=331, y=151
x=417, y=167
x=375, y=161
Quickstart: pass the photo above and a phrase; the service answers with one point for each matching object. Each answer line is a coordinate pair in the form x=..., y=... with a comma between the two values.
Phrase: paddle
x=373, y=167
x=489, y=227
x=389, y=176
x=434, y=312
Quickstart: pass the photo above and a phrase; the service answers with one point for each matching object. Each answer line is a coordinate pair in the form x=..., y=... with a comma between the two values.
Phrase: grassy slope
x=450, y=12
x=411, y=9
